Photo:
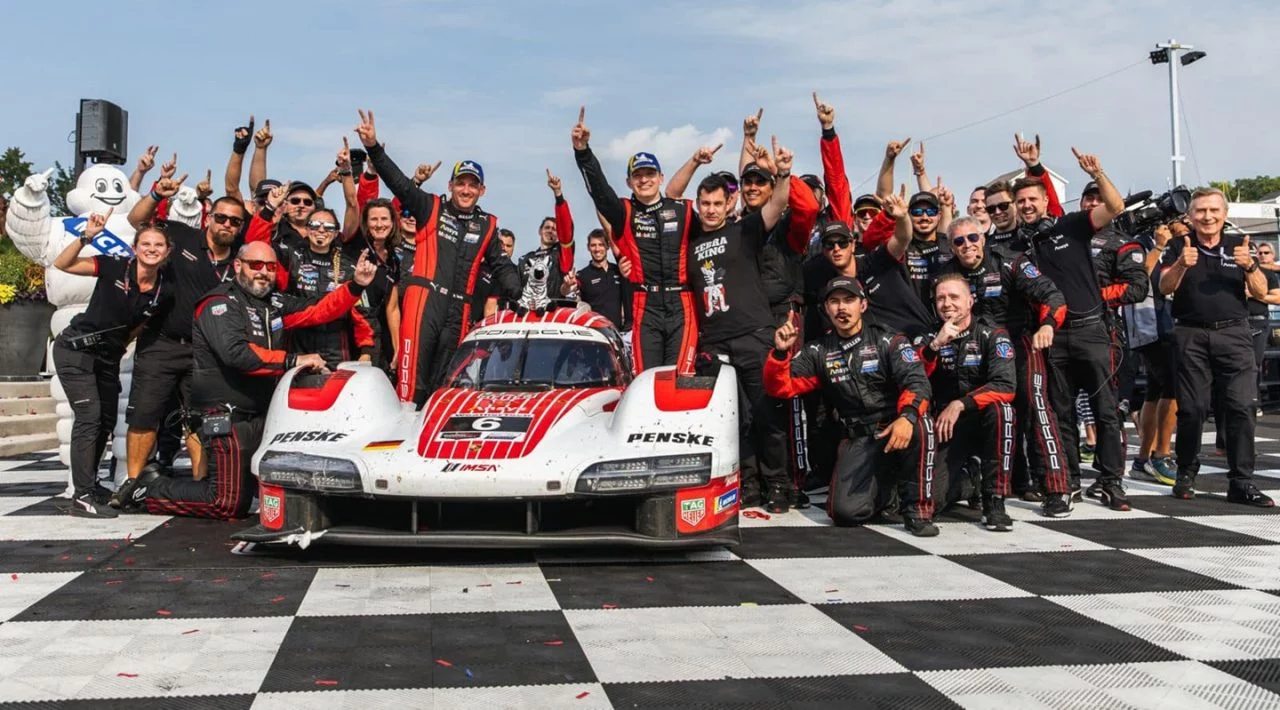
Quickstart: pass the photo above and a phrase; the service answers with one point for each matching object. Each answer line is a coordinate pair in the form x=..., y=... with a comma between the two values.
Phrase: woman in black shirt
x=87, y=352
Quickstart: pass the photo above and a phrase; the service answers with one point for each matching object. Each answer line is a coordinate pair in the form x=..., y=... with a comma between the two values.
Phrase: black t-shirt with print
x=724, y=273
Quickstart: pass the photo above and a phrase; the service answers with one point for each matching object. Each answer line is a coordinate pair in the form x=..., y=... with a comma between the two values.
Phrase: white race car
x=539, y=437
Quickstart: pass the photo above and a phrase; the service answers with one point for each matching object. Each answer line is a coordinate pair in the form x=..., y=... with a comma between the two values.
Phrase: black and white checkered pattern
x=1175, y=604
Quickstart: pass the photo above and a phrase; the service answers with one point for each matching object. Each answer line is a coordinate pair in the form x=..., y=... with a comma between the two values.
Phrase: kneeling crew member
x=971, y=371
x=866, y=375
x=238, y=330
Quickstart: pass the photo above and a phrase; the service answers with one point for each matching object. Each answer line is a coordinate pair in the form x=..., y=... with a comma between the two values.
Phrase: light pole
x=1164, y=54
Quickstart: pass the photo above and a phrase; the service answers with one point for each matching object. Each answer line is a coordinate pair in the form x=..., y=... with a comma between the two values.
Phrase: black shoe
x=85, y=506
x=1185, y=488
x=750, y=497
x=1056, y=505
x=1113, y=497
x=1249, y=494
x=1094, y=490
x=994, y=516
x=1032, y=496
x=779, y=499
x=799, y=499
x=1076, y=497
x=920, y=528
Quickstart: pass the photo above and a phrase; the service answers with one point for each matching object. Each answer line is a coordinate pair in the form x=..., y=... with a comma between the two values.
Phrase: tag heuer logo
x=692, y=511
x=270, y=509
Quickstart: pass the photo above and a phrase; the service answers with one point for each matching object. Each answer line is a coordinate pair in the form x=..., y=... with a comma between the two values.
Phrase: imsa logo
x=472, y=467
x=692, y=511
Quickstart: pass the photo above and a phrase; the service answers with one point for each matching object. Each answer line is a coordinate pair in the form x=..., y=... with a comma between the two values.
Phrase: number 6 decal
x=486, y=423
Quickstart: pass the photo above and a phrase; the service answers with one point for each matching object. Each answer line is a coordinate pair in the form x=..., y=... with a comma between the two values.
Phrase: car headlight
x=308, y=472
x=646, y=474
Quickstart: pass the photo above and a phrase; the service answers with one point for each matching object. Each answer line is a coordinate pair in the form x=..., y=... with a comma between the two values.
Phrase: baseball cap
x=304, y=187
x=264, y=188
x=1091, y=186
x=812, y=181
x=467, y=167
x=730, y=179
x=836, y=230
x=843, y=283
x=640, y=161
x=927, y=197
x=866, y=201
x=755, y=169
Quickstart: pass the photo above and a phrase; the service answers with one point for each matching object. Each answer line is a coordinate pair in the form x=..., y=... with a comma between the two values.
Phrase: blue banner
x=106, y=242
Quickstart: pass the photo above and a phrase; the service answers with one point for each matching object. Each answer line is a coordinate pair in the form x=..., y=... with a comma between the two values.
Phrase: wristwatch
x=1252, y=268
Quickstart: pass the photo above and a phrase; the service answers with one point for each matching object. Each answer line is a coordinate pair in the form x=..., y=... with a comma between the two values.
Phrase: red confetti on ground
x=220, y=580
x=269, y=575
x=610, y=606
x=518, y=581
x=64, y=558
x=755, y=514
x=326, y=682
x=128, y=560
x=128, y=537
x=88, y=558
x=167, y=525
x=829, y=591
x=582, y=695
x=553, y=643
x=163, y=612
x=648, y=579
x=277, y=600
x=442, y=662
x=192, y=631
x=113, y=581
x=484, y=585
x=14, y=577
x=173, y=579
x=856, y=627
x=126, y=675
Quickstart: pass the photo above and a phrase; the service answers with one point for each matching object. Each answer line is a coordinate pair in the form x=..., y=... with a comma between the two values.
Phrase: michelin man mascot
x=41, y=236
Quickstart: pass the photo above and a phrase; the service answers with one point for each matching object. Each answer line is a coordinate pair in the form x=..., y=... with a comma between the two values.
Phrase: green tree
x=13, y=170
x=60, y=183
x=1251, y=189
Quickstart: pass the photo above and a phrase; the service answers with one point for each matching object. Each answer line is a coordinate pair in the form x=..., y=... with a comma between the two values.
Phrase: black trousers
x=1083, y=358
x=1259, y=329
x=1215, y=365
x=866, y=478
x=1040, y=460
x=228, y=490
x=664, y=329
x=987, y=434
x=92, y=384
x=762, y=420
x=161, y=367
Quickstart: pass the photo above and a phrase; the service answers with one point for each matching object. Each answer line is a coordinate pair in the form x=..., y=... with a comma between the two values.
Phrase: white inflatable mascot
x=41, y=236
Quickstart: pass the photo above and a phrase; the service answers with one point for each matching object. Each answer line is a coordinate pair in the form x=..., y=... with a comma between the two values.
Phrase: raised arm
x=839, y=196
x=780, y=166
x=143, y=212
x=1112, y=203
x=884, y=185
x=69, y=259
x=411, y=198
x=605, y=199
x=1029, y=154
x=351, y=216
x=895, y=206
x=785, y=375
x=564, y=223
x=680, y=181
x=258, y=165
x=146, y=161
x=750, y=126
x=235, y=163
x=918, y=169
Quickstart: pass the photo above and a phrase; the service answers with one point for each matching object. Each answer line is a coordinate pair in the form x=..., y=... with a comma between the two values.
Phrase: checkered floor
x=1173, y=605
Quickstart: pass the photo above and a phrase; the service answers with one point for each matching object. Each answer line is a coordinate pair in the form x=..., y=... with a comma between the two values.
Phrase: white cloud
x=673, y=147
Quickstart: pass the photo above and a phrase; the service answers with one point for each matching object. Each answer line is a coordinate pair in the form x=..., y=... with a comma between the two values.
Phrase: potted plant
x=24, y=313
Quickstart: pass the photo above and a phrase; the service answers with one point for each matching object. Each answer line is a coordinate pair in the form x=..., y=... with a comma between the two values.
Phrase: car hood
x=468, y=424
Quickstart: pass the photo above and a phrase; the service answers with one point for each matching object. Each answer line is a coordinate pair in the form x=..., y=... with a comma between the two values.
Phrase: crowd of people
x=889, y=348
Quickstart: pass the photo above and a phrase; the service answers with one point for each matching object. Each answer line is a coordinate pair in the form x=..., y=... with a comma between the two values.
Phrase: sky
x=501, y=83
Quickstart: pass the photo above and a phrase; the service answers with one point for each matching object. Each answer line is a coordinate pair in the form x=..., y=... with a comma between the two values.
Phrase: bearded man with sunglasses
x=1010, y=292
x=198, y=261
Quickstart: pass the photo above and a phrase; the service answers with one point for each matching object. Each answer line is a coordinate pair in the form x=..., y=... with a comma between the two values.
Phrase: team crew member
x=310, y=267
x=543, y=270
x=1210, y=275
x=237, y=361
x=1081, y=357
x=87, y=352
x=484, y=301
x=735, y=322
x=162, y=359
x=977, y=208
x=601, y=285
x=865, y=209
x=1011, y=293
x=873, y=381
x=380, y=236
x=892, y=301
x=454, y=238
x=971, y=371
x=651, y=232
x=999, y=196
x=1260, y=313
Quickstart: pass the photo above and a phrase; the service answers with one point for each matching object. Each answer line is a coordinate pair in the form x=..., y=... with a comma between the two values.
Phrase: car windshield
x=532, y=363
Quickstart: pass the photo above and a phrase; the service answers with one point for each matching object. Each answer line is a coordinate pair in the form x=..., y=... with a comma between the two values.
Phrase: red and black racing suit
x=303, y=272
x=867, y=381
x=1122, y=274
x=1011, y=293
x=655, y=239
x=976, y=368
x=237, y=358
x=450, y=247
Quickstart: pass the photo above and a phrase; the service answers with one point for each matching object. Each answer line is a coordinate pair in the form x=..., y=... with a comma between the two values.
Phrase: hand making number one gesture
x=581, y=135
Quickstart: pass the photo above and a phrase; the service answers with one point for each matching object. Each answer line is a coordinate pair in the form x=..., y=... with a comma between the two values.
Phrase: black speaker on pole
x=102, y=131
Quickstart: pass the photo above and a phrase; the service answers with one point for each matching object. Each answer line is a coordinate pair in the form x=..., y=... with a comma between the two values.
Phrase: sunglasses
x=999, y=206
x=232, y=220
x=830, y=244
x=307, y=201
x=323, y=226
x=921, y=211
x=867, y=212
x=259, y=265
x=406, y=214
x=971, y=237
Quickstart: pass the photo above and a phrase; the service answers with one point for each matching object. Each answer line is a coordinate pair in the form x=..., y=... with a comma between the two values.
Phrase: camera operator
x=87, y=352
x=1209, y=274
x=237, y=332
